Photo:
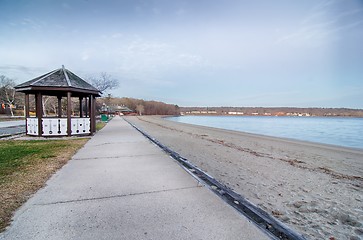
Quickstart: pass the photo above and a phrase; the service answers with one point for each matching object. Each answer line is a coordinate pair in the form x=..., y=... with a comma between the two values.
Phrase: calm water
x=346, y=132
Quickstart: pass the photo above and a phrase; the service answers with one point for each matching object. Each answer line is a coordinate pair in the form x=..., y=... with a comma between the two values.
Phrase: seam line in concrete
x=107, y=143
x=125, y=156
x=116, y=196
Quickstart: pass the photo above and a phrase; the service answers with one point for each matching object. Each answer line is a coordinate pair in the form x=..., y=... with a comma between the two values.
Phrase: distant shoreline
x=273, y=111
x=245, y=115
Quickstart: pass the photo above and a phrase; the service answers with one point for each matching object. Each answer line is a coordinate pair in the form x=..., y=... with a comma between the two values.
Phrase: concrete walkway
x=8, y=128
x=14, y=123
x=121, y=186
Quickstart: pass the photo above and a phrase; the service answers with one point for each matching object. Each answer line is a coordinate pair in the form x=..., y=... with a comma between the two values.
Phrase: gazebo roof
x=58, y=80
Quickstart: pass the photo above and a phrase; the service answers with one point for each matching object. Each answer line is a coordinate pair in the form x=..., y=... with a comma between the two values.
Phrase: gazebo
x=61, y=83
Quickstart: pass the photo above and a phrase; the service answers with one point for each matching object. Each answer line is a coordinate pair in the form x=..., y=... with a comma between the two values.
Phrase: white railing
x=81, y=126
x=58, y=126
x=32, y=126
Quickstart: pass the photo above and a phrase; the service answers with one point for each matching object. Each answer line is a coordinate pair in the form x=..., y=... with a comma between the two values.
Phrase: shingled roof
x=60, y=79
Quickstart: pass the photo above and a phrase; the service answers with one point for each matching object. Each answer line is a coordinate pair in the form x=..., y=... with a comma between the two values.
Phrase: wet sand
x=315, y=189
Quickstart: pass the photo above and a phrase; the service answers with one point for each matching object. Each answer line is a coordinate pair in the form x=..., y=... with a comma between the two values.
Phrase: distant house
x=299, y=114
x=280, y=114
x=195, y=112
x=212, y=112
x=115, y=110
x=235, y=113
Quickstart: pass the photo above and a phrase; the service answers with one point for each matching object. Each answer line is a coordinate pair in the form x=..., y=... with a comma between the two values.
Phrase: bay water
x=346, y=132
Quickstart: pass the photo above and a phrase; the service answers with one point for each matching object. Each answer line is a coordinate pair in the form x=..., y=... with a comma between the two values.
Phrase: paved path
x=12, y=127
x=14, y=123
x=121, y=186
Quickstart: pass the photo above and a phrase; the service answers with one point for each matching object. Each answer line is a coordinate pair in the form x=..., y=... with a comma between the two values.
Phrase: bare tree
x=44, y=102
x=50, y=104
x=53, y=105
x=104, y=82
x=140, y=109
x=7, y=92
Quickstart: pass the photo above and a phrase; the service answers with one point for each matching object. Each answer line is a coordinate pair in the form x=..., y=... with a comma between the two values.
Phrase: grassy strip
x=100, y=125
x=25, y=166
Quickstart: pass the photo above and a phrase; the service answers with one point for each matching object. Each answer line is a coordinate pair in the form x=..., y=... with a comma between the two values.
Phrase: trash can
x=104, y=118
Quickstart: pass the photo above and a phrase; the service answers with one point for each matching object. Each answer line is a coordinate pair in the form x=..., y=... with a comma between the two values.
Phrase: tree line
x=140, y=106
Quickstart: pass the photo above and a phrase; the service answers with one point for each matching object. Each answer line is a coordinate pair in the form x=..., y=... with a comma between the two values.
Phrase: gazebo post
x=89, y=109
x=92, y=113
x=69, y=113
x=93, y=117
x=90, y=105
x=39, y=112
x=80, y=107
x=86, y=108
x=26, y=111
x=59, y=106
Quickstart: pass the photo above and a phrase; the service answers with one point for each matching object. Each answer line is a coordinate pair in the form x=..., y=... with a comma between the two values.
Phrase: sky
x=194, y=52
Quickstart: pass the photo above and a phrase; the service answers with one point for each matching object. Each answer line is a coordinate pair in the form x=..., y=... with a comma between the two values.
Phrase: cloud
x=156, y=10
x=34, y=24
x=85, y=56
x=181, y=12
x=312, y=35
x=322, y=25
x=66, y=6
x=117, y=35
x=22, y=73
x=22, y=69
x=142, y=61
x=142, y=55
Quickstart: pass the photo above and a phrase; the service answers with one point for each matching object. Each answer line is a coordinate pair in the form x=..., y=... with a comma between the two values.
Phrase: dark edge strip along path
x=261, y=218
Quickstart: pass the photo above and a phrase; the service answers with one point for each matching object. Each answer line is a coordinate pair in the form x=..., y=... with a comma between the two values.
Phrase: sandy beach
x=315, y=189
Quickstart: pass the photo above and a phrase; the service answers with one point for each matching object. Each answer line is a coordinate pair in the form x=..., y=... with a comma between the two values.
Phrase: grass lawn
x=25, y=166
x=100, y=125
